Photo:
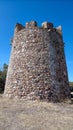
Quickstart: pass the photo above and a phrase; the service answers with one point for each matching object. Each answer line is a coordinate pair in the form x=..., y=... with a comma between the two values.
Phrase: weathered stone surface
x=47, y=25
x=37, y=68
x=59, y=29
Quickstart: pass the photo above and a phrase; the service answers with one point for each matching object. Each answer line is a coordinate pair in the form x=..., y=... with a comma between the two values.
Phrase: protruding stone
x=31, y=24
x=18, y=27
x=59, y=29
x=11, y=41
x=47, y=25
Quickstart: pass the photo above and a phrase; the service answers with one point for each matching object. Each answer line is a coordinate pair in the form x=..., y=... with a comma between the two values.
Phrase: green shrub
x=3, y=73
x=71, y=86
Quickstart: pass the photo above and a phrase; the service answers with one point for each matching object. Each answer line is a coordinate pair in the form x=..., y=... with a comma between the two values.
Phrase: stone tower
x=37, y=68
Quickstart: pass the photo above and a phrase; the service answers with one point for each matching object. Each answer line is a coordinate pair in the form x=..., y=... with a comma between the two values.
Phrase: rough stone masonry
x=37, y=68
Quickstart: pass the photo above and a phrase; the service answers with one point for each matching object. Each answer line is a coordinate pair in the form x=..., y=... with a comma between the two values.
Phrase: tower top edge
x=33, y=24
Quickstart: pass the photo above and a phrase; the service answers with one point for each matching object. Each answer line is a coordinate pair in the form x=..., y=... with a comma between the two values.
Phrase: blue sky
x=59, y=12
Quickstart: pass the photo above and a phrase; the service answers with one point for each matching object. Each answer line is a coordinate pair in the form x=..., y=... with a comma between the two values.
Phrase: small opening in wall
x=38, y=74
x=58, y=52
x=59, y=80
x=35, y=35
x=65, y=82
x=64, y=75
x=14, y=47
x=62, y=57
x=56, y=42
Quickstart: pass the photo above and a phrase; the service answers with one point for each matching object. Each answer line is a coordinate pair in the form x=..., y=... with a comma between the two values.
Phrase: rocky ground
x=35, y=115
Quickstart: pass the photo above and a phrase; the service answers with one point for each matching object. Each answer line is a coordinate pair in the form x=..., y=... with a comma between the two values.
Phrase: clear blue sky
x=60, y=12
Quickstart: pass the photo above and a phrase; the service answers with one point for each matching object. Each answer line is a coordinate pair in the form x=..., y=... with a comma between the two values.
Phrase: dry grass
x=35, y=115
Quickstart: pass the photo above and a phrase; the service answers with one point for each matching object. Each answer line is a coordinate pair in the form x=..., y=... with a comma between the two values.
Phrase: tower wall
x=37, y=68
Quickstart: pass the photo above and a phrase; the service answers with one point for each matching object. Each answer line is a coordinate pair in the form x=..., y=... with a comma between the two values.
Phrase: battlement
x=18, y=27
x=33, y=24
x=47, y=25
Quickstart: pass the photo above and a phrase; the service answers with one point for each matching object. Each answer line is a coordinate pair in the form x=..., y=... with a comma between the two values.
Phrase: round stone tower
x=37, y=68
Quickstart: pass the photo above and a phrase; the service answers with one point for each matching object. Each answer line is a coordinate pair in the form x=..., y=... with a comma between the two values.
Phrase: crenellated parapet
x=33, y=24
x=18, y=27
